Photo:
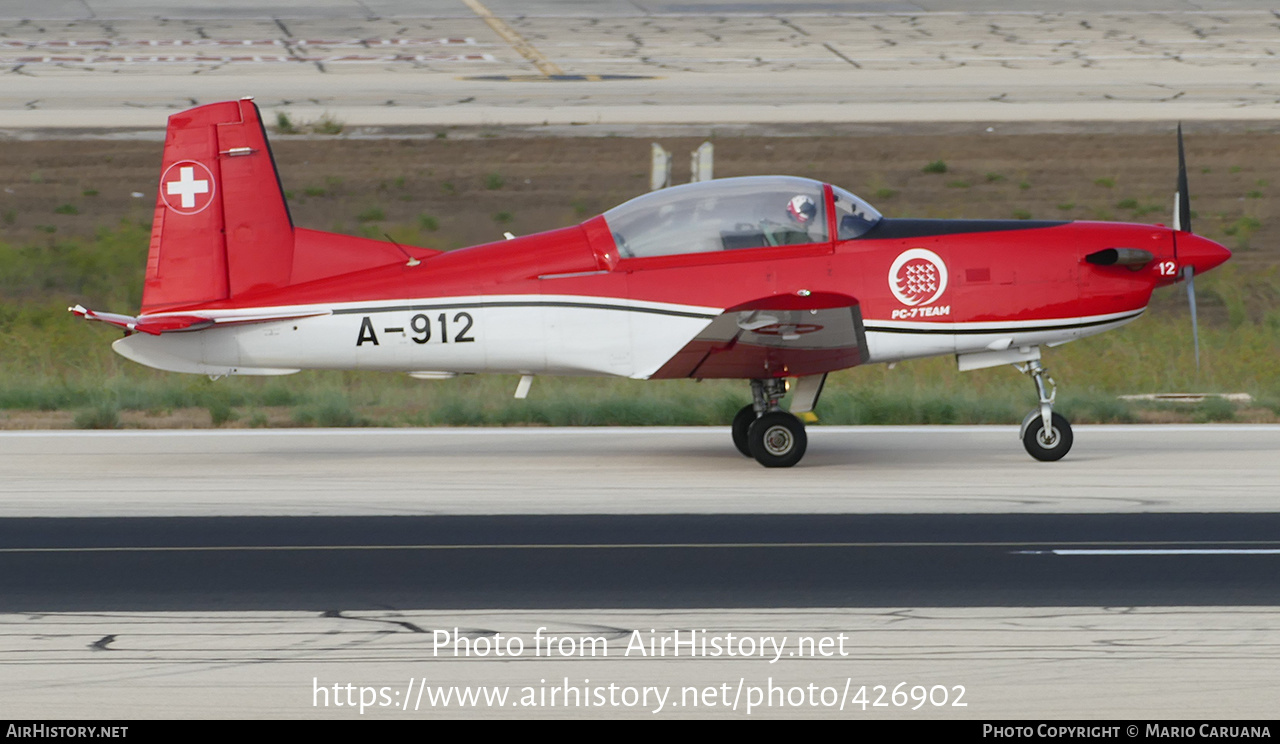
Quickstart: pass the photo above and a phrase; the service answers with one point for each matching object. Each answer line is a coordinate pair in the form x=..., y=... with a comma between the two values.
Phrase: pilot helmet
x=802, y=208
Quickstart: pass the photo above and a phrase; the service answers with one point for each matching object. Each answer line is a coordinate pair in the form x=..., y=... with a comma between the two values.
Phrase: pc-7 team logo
x=918, y=277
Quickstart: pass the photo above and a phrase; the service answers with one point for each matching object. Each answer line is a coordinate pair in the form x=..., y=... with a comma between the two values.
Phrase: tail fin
x=221, y=226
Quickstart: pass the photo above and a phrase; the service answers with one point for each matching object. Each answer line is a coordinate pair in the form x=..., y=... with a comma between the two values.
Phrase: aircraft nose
x=1200, y=253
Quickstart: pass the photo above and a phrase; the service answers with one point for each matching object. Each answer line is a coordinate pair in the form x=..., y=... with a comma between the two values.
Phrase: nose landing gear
x=1045, y=435
x=774, y=437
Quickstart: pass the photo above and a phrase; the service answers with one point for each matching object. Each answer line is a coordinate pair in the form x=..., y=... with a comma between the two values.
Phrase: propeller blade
x=1189, y=273
x=1182, y=211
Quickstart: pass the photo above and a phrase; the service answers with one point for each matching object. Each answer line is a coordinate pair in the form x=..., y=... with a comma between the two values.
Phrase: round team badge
x=917, y=277
x=187, y=187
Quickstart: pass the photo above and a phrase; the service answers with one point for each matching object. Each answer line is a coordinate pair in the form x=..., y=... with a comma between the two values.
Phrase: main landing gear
x=762, y=430
x=1045, y=434
x=776, y=438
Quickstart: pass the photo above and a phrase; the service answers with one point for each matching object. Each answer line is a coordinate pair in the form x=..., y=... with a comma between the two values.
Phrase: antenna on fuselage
x=412, y=261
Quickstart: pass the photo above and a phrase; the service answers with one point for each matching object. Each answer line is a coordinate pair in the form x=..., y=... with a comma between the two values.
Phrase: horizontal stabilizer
x=157, y=324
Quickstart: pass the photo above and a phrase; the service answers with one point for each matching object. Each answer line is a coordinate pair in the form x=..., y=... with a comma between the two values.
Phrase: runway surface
x=1136, y=578
x=694, y=561
x=943, y=556
x=683, y=470
x=127, y=63
x=1167, y=663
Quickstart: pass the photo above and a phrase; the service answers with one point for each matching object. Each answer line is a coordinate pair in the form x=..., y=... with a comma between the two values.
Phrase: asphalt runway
x=618, y=470
x=591, y=562
x=1136, y=578
x=511, y=518
x=128, y=64
x=1108, y=663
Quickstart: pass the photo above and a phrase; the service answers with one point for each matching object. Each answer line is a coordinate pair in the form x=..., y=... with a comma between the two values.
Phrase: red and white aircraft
x=762, y=278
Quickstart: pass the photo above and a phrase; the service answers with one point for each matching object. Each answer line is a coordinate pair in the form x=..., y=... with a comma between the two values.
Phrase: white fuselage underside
x=556, y=335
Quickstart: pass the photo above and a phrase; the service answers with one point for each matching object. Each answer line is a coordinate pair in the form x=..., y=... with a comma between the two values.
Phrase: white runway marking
x=661, y=546
x=1169, y=551
x=181, y=59
x=99, y=43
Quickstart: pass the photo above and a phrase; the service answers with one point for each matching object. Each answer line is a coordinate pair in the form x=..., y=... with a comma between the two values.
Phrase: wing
x=782, y=336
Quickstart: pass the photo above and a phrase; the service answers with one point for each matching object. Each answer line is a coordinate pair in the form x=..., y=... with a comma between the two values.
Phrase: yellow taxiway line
x=517, y=42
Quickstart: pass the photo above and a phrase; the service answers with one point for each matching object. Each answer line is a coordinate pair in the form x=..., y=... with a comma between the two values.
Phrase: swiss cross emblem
x=917, y=277
x=187, y=187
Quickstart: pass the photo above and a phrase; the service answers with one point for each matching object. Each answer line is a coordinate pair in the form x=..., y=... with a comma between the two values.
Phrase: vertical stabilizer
x=221, y=226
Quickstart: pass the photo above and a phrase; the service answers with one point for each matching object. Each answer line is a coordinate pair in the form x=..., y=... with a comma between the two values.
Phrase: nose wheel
x=1044, y=444
x=762, y=430
x=1046, y=435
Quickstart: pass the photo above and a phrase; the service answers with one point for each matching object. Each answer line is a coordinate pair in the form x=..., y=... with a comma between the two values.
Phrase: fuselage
x=570, y=302
x=758, y=278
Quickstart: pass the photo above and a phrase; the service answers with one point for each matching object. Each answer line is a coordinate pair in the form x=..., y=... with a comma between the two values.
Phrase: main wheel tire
x=741, y=429
x=1051, y=447
x=777, y=440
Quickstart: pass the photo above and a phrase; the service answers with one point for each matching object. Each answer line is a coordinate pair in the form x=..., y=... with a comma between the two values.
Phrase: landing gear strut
x=1046, y=435
x=762, y=430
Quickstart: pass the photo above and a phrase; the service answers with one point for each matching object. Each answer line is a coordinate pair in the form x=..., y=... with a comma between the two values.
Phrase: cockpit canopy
x=735, y=213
